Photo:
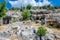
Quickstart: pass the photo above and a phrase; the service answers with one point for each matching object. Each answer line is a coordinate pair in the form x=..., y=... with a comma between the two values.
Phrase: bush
x=26, y=15
x=41, y=31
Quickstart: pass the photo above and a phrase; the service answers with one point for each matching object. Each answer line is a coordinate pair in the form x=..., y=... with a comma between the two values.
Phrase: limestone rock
x=57, y=36
x=49, y=37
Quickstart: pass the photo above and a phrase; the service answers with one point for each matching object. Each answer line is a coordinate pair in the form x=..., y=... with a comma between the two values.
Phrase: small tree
x=29, y=6
x=26, y=15
x=41, y=31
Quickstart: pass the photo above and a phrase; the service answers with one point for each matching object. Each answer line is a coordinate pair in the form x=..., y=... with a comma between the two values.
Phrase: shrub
x=26, y=15
x=41, y=31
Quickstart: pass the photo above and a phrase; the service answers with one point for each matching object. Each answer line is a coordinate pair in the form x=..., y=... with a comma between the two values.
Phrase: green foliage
x=26, y=15
x=56, y=7
x=29, y=6
x=3, y=9
x=35, y=7
x=22, y=8
x=49, y=7
x=44, y=7
x=41, y=31
x=14, y=8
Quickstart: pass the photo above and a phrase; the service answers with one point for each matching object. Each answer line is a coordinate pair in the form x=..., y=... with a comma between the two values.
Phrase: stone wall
x=1, y=21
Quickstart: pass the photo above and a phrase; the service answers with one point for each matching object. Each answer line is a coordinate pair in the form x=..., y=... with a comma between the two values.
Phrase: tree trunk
x=40, y=37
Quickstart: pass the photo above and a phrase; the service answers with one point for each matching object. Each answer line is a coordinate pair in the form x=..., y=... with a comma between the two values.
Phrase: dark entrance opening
x=6, y=20
x=37, y=18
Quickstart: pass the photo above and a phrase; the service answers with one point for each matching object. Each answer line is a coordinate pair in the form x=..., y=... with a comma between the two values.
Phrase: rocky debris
x=1, y=38
x=50, y=31
x=14, y=13
x=4, y=34
x=49, y=36
x=27, y=32
x=57, y=36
